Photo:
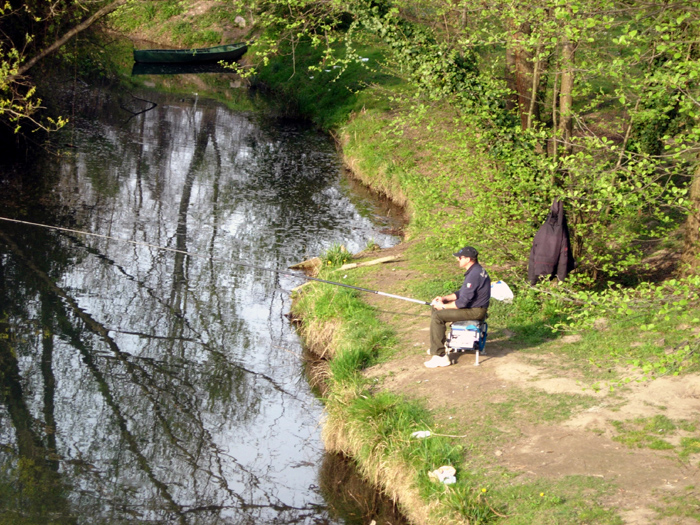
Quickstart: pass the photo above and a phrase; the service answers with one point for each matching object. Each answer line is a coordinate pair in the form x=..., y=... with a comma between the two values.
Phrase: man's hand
x=439, y=303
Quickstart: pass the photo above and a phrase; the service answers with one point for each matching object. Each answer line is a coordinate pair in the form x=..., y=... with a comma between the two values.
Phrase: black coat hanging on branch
x=551, y=255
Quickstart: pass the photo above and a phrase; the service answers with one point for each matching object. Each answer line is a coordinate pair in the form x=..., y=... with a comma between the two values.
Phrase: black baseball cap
x=467, y=251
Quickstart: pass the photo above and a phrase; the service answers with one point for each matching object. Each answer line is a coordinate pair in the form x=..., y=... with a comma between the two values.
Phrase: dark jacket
x=551, y=249
x=476, y=289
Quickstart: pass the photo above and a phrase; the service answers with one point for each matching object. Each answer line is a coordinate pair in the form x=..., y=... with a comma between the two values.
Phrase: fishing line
x=245, y=265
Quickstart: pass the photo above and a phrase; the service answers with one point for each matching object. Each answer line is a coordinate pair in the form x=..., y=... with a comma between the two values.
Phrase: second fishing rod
x=237, y=263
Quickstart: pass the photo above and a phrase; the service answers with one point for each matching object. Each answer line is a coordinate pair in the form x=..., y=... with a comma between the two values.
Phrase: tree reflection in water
x=142, y=385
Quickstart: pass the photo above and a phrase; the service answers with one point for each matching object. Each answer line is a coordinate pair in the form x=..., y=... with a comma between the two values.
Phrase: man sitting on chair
x=470, y=302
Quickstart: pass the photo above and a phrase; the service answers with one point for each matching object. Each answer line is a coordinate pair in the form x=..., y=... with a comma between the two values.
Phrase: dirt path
x=576, y=440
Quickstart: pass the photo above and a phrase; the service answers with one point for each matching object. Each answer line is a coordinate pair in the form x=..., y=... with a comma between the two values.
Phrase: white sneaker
x=437, y=361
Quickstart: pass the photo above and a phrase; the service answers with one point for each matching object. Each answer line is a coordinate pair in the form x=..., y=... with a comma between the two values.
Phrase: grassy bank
x=606, y=340
x=373, y=426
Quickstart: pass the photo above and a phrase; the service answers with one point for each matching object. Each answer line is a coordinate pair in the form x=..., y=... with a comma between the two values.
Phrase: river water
x=145, y=385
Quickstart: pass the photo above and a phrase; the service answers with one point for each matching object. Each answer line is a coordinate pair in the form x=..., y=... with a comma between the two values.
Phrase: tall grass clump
x=336, y=255
x=357, y=340
x=375, y=427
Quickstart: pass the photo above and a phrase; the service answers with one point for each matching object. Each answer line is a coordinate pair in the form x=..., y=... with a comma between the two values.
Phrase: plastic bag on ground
x=445, y=474
x=501, y=292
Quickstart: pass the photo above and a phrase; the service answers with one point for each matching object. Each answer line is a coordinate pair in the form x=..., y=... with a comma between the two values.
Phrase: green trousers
x=438, y=318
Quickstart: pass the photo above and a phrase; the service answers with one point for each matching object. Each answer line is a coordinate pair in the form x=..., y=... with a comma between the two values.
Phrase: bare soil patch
x=579, y=443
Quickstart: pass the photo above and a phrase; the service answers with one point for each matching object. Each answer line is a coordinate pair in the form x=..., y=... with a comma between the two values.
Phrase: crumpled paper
x=445, y=474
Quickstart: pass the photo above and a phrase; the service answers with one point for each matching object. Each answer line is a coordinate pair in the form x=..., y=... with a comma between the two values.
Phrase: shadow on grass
x=351, y=498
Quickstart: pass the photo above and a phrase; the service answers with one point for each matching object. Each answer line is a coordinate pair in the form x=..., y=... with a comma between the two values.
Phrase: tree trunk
x=512, y=100
x=533, y=111
x=691, y=250
x=565, y=95
x=526, y=78
x=552, y=147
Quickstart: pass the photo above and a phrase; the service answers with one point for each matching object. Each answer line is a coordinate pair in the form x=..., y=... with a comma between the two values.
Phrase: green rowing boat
x=228, y=52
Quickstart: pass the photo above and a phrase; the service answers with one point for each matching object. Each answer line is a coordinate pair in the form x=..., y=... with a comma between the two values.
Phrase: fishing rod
x=245, y=265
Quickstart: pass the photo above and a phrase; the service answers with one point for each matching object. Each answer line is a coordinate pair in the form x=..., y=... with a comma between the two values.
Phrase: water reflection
x=142, y=385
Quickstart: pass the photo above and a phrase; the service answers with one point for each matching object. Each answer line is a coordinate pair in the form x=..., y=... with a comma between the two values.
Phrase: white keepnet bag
x=501, y=292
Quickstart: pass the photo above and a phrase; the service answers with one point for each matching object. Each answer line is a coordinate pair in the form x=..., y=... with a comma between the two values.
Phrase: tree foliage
x=29, y=31
x=594, y=102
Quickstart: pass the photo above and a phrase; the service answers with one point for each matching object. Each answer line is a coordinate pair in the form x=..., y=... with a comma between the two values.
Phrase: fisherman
x=470, y=302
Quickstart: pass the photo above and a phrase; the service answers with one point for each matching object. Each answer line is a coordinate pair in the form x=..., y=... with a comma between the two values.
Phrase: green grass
x=386, y=421
x=572, y=500
x=685, y=506
x=223, y=12
x=689, y=445
x=133, y=16
x=168, y=9
x=166, y=18
x=656, y=433
x=363, y=338
x=535, y=406
x=666, y=347
x=330, y=95
x=336, y=255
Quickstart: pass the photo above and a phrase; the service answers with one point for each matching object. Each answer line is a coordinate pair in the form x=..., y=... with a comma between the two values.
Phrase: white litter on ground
x=445, y=474
x=502, y=292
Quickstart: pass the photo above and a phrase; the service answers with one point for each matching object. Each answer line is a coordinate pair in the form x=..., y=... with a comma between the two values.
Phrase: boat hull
x=229, y=53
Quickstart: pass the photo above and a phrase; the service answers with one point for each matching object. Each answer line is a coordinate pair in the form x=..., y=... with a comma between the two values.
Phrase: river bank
x=537, y=439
